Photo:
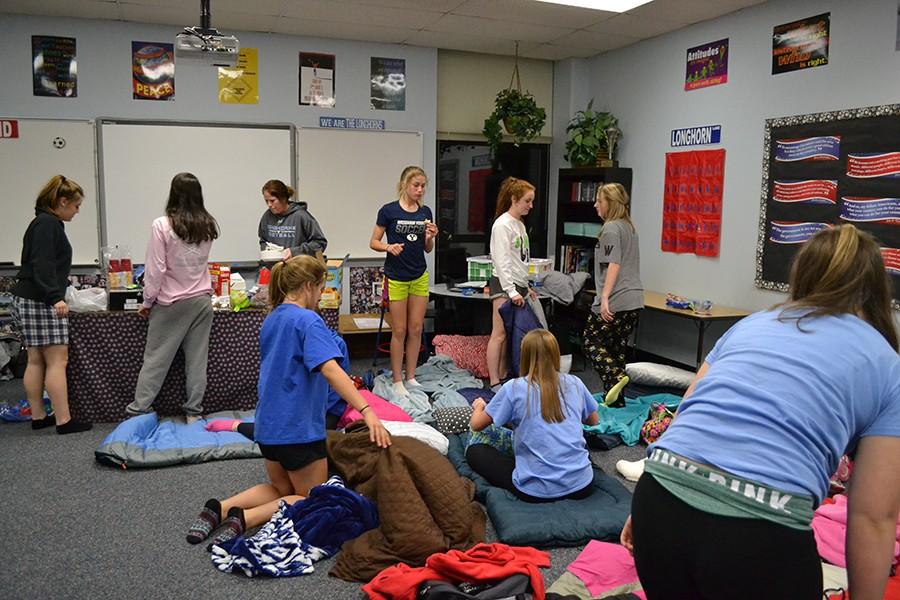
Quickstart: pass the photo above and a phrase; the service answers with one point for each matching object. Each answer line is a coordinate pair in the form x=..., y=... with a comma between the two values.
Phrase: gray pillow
x=454, y=419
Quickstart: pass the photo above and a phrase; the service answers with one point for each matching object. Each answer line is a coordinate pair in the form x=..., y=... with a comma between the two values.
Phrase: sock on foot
x=631, y=471
x=399, y=388
x=613, y=394
x=207, y=521
x=73, y=426
x=232, y=527
x=42, y=423
x=412, y=383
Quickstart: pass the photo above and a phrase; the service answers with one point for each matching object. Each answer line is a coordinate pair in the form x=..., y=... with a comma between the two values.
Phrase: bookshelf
x=577, y=222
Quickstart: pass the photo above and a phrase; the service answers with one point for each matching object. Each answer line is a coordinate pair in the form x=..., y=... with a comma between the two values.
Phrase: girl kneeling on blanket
x=547, y=409
x=297, y=363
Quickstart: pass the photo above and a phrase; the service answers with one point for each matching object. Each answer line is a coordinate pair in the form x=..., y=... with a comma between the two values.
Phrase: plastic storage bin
x=480, y=268
x=539, y=267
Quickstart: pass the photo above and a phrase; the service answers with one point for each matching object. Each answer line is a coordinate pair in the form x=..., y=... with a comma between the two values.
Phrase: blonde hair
x=406, y=176
x=511, y=187
x=539, y=361
x=840, y=270
x=292, y=275
x=618, y=201
x=55, y=190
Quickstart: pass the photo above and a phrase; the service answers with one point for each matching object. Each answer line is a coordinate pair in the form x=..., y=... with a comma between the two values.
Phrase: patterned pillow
x=454, y=419
x=468, y=352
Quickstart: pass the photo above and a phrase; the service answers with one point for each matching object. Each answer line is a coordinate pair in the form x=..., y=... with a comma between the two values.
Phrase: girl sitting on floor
x=547, y=409
x=298, y=361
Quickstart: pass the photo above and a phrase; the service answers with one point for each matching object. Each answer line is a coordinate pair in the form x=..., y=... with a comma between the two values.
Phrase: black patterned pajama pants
x=604, y=344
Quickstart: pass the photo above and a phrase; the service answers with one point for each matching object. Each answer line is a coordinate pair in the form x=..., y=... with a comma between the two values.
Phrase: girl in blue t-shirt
x=410, y=234
x=547, y=409
x=298, y=362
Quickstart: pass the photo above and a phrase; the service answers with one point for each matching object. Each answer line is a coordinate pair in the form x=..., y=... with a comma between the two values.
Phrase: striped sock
x=232, y=527
x=208, y=519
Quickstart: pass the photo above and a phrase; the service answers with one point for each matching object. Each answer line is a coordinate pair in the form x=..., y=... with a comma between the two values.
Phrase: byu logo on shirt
x=412, y=237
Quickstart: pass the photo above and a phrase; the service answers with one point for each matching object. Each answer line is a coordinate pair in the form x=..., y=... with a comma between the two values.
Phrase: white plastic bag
x=91, y=299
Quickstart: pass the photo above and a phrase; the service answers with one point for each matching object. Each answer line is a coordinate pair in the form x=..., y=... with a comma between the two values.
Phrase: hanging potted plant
x=592, y=136
x=520, y=115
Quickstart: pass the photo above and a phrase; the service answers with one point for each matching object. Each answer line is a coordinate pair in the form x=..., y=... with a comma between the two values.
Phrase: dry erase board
x=346, y=175
x=41, y=149
x=232, y=162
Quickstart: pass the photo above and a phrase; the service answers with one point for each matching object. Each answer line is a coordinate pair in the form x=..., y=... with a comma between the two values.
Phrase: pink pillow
x=468, y=352
x=384, y=409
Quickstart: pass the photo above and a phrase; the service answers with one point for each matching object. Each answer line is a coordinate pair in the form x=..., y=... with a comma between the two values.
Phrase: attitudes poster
x=152, y=71
x=54, y=67
x=707, y=65
x=801, y=45
x=388, y=83
x=317, y=79
x=692, y=202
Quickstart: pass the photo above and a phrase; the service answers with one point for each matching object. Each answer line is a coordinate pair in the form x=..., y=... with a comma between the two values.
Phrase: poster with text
x=388, y=83
x=692, y=202
x=240, y=84
x=54, y=66
x=152, y=71
x=316, y=79
x=707, y=65
x=826, y=169
x=801, y=45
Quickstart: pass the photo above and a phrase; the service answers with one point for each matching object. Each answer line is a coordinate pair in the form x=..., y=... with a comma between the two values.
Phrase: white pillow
x=648, y=373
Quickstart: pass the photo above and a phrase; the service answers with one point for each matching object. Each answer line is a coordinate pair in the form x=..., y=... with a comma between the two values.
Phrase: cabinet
x=577, y=222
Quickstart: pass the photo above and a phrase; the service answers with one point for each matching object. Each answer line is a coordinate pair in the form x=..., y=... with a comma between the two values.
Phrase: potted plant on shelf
x=592, y=138
x=522, y=118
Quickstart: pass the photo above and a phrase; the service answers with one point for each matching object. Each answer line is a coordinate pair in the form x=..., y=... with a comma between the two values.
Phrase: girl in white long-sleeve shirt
x=510, y=252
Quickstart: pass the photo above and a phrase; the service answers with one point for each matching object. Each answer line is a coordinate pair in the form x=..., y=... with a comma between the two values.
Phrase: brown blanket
x=424, y=506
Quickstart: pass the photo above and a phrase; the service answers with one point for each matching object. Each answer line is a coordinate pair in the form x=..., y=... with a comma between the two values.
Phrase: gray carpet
x=76, y=529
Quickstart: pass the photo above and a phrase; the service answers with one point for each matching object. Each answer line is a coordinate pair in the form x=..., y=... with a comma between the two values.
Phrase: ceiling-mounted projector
x=206, y=44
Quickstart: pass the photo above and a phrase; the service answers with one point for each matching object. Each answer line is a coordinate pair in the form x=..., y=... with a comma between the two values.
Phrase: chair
x=385, y=348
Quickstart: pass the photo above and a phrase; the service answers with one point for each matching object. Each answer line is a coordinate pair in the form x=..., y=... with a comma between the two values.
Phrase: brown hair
x=406, y=176
x=511, y=188
x=190, y=220
x=55, y=190
x=292, y=275
x=840, y=270
x=540, y=363
x=618, y=201
x=279, y=189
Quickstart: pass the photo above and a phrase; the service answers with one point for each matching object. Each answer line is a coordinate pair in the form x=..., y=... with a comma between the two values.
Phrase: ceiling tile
x=637, y=27
x=538, y=13
x=431, y=5
x=169, y=15
x=683, y=11
x=355, y=12
x=555, y=52
x=257, y=7
x=343, y=31
x=82, y=9
x=493, y=28
x=461, y=41
x=228, y=21
x=601, y=42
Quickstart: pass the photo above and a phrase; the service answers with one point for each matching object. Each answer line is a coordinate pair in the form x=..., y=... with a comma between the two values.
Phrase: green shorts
x=401, y=290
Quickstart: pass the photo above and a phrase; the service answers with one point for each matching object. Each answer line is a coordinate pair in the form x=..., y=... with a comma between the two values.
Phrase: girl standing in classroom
x=177, y=294
x=298, y=361
x=547, y=409
x=288, y=224
x=620, y=294
x=410, y=234
x=729, y=490
x=510, y=252
x=39, y=307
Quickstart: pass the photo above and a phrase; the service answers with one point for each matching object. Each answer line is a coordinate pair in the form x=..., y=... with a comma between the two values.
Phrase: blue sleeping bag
x=517, y=320
x=145, y=442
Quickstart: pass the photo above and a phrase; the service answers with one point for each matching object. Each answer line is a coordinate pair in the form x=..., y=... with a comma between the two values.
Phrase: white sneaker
x=412, y=383
x=631, y=471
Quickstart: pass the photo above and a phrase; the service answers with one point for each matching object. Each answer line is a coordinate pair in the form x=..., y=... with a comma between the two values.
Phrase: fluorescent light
x=618, y=6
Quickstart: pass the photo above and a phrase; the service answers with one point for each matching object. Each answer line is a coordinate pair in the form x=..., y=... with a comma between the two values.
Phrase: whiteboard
x=28, y=162
x=346, y=175
x=139, y=158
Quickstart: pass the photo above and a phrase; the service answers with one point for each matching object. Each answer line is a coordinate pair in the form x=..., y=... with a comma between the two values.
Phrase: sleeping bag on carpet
x=145, y=442
x=565, y=523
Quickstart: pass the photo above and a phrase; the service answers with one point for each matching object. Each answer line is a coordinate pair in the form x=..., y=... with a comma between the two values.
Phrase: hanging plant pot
x=512, y=124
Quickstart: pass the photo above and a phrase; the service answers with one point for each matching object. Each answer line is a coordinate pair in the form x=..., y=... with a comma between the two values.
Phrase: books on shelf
x=585, y=190
x=576, y=259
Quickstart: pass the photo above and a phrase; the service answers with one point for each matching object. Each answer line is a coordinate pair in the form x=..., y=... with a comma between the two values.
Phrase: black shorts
x=294, y=457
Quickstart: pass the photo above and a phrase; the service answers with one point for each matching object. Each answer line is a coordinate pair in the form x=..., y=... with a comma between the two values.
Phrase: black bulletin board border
x=870, y=129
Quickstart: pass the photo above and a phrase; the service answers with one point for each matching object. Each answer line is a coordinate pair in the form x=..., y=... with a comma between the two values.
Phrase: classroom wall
x=104, y=83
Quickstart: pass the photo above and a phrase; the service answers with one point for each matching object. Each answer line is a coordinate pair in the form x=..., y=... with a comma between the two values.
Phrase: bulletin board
x=41, y=149
x=827, y=169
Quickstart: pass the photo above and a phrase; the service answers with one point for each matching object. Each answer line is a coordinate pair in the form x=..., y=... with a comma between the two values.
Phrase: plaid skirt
x=39, y=323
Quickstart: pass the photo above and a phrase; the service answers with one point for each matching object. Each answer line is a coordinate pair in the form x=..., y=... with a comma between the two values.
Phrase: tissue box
x=334, y=271
x=126, y=299
x=480, y=268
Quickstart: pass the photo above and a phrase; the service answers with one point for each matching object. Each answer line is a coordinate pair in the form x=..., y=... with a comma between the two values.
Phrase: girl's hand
x=479, y=404
x=431, y=231
x=606, y=314
x=395, y=249
x=286, y=254
x=377, y=433
x=532, y=294
x=61, y=309
x=518, y=300
x=625, y=537
x=144, y=312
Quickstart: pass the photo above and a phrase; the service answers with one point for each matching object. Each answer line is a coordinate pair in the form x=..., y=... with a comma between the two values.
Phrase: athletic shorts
x=294, y=457
x=497, y=292
x=401, y=290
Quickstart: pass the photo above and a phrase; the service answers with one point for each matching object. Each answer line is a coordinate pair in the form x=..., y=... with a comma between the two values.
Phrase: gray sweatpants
x=184, y=324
